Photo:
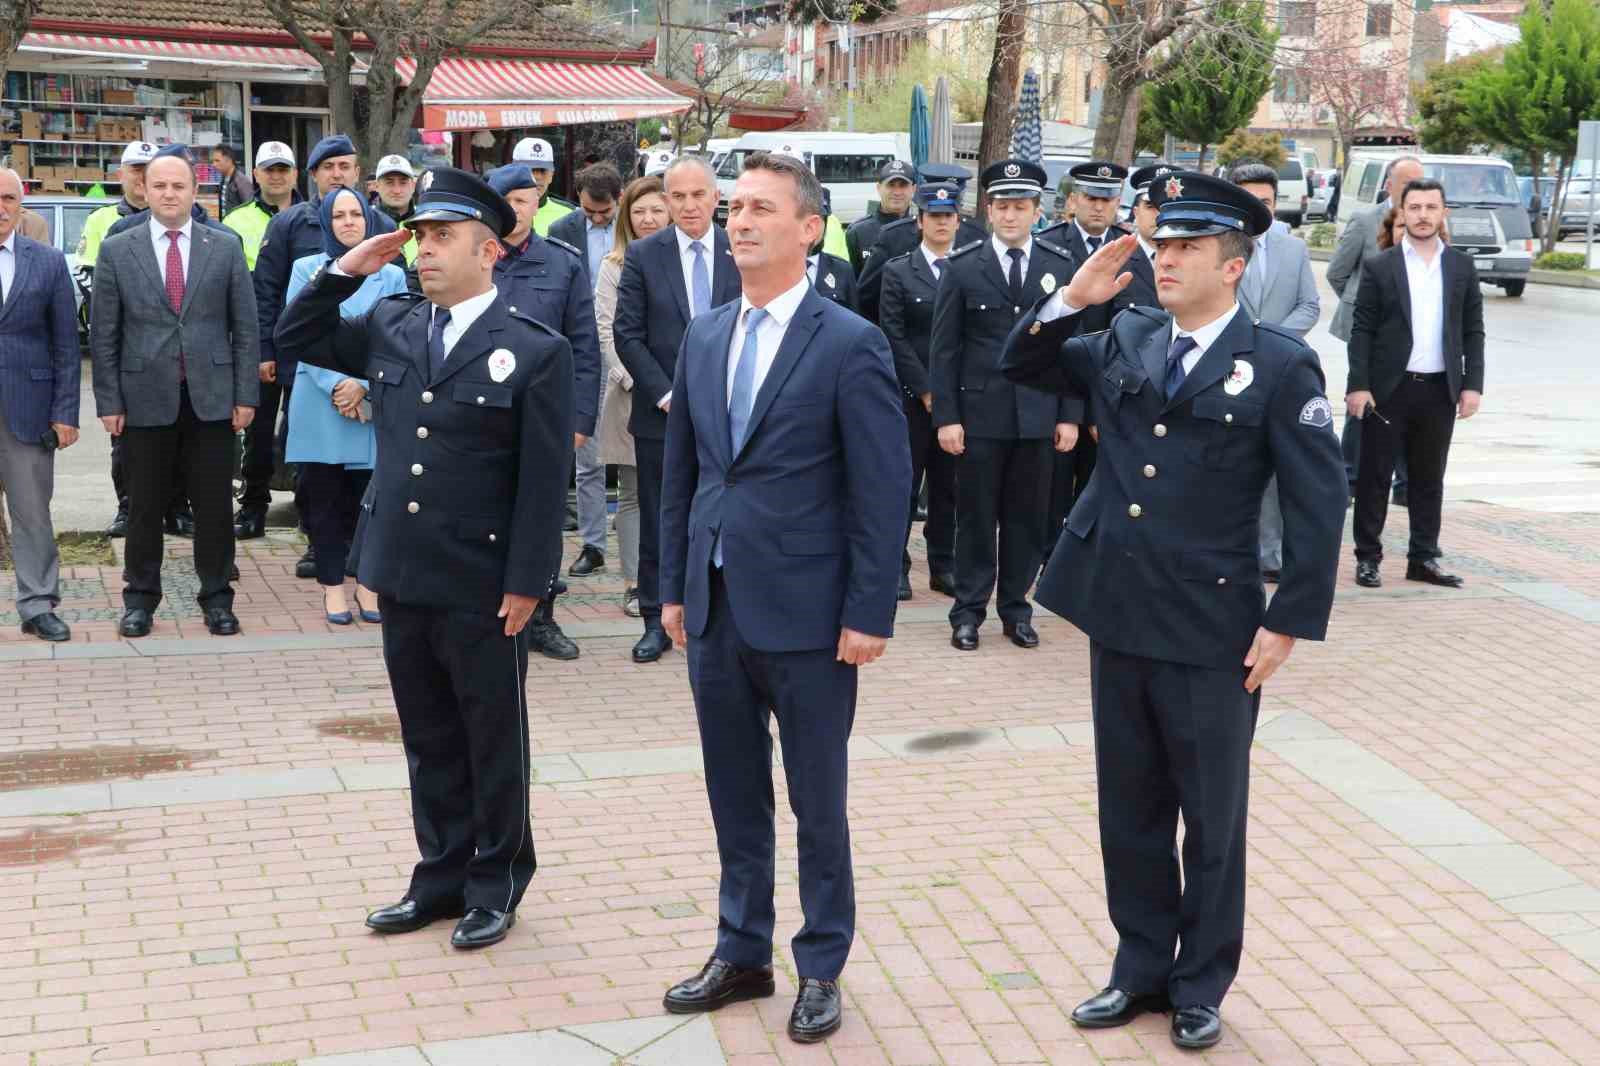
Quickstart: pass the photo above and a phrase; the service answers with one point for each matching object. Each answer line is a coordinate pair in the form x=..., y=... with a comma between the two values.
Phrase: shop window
x=1297, y=18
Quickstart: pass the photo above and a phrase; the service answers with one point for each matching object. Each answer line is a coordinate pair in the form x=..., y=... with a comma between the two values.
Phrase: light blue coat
x=318, y=433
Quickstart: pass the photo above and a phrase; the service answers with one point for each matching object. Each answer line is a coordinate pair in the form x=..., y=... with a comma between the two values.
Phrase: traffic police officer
x=1197, y=406
x=901, y=236
x=274, y=168
x=546, y=278
x=896, y=188
x=910, y=285
x=135, y=157
x=537, y=154
x=999, y=432
x=473, y=407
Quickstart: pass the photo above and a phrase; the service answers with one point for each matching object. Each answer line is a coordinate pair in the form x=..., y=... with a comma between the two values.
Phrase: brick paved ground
x=229, y=931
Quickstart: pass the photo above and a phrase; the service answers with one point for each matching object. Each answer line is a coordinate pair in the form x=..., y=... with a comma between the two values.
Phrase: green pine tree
x=1445, y=123
x=1216, y=85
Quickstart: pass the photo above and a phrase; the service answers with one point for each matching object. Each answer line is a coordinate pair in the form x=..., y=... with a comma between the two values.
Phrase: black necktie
x=1093, y=243
x=1015, y=277
x=938, y=267
x=441, y=319
x=1181, y=347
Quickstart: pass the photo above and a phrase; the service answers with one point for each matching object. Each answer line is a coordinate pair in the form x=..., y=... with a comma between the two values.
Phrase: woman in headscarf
x=330, y=427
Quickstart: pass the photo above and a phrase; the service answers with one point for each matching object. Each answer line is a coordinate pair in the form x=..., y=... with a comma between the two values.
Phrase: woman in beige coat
x=643, y=211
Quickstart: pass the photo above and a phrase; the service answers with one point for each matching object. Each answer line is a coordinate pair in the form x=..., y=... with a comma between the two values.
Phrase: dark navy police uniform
x=465, y=506
x=1159, y=567
x=899, y=237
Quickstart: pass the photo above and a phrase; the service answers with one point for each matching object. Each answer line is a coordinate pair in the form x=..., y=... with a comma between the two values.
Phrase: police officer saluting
x=1158, y=565
x=473, y=405
x=1000, y=433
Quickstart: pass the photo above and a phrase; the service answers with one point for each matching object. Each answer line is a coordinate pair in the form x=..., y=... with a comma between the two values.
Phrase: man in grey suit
x=39, y=373
x=1357, y=247
x=1278, y=289
x=173, y=336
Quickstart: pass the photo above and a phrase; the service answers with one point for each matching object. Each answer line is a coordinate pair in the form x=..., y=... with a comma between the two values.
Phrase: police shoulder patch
x=1317, y=412
x=408, y=296
x=559, y=243
x=964, y=249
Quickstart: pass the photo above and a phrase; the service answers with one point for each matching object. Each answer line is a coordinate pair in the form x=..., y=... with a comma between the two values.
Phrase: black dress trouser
x=332, y=495
x=651, y=458
x=188, y=456
x=1421, y=420
x=464, y=724
x=939, y=466
x=1002, y=490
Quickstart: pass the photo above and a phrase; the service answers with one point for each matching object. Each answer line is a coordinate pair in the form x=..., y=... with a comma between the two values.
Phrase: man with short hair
x=397, y=185
x=541, y=159
x=593, y=227
x=900, y=236
x=237, y=188
x=782, y=518
x=896, y=189
x=276, y=190
x=1416, y=365
x=1094, y=201
x=173, y=337
x=1197, y=407
x=39, y=380
x=668, y=279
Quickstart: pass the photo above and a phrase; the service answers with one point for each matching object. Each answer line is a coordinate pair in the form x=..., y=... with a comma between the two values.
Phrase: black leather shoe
x=248, y=525
x=233, y=572
x=816, y=1013
x=589, y=561
x=547, y=639
x=1022, y=635
x=1194, y=1028
x=1429, y=572
x=1114, y=1007
x=1367, y=575
x=135, y=623
x=965, y=637
x=408, y=916
x=221, y=622
x=942, y=581
x=47, y=627
x=904, y=592
x=1398, y=499
x=306, y=567
x=119, y=525
x=654, y=644
x=571, y=524
x=1271, y=576
x=716, y=985
x=480, y=927
x=180, y=524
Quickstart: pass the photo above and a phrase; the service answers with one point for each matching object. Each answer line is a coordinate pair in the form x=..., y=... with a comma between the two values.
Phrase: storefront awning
x=486, y=94
x=252, y=57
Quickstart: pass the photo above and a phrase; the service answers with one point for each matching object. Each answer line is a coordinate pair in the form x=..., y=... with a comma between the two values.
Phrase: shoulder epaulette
x=1152, y=313
x=407, y=295
x=520, y=317
x=1286, y=334
x=1056, y=248
x=558, y=242
x=964, y=249
x=896, y=258
x=907, y=221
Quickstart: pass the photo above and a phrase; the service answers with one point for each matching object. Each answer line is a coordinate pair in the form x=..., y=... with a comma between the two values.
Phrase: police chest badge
x=1048, y=284
x=501, y=364
x=829, y=280
x=1317, y=413
x=1241, y=377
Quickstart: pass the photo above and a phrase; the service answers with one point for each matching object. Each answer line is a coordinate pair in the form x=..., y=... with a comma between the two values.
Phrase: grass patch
x=85, y=549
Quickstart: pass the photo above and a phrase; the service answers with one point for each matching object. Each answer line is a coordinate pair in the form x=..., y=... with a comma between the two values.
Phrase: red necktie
x=175, y=286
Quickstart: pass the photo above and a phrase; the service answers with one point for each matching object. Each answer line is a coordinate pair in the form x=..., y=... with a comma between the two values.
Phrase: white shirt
x=1204, y=337
x=1002, y=250
x=933, y=258
x=769, y=334
x=686, y=255
x=1425, y=279
x=8, y=263
x=1087, y=237
x=462, y=316
x=158, y=241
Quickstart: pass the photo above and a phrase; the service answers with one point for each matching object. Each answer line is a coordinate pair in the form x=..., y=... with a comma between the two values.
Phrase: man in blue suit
x=782, y=518
x=39, y=371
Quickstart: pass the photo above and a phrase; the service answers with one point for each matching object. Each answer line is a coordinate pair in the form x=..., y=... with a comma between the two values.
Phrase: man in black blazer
x=1141, y=292
x=1416, y=365
x=910, y=286
x=668, y=279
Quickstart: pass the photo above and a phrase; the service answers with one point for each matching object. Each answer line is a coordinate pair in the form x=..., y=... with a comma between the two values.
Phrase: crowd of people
x=1132, y=411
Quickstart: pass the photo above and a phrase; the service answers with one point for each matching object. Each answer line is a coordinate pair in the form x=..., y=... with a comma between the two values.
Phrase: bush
x=1560, y=261
x=1242, y=144
x=1322, y=235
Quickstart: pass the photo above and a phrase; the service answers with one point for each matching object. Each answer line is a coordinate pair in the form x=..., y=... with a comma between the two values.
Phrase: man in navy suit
x=782, y=518
x=39, y=371
x=668, y=279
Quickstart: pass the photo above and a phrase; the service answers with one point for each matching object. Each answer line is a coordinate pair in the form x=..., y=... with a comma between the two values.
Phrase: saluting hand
x=372, y=254
x=1102, y=277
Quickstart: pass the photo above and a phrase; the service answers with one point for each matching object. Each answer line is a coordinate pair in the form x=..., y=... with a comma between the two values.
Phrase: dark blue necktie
x=1014, y=278
x=1181, y=346
x=441, y=319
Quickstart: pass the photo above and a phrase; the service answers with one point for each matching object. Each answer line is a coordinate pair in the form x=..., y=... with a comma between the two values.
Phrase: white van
x=1487, y=218
x=1294, y=190
x=847, y=163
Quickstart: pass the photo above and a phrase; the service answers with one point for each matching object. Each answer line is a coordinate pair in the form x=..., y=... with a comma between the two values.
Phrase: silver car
x=1578, y=206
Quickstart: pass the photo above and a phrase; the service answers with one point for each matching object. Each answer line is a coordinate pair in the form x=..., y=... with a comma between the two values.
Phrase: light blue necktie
x=744, y=391
x=700, y=281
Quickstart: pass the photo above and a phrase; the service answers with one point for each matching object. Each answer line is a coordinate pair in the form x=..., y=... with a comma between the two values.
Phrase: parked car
x=1578, y=205
x=1320, y=205
x=1536, y=194
x=1293, y=193
x=65, y=215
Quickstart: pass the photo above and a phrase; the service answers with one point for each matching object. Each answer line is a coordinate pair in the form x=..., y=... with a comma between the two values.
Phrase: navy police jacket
x=548, y=281
x=1160, y=556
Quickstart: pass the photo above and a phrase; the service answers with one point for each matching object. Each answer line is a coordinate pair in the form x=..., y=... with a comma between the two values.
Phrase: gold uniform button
x=413, y=506
x=422, y=432
x=1134, y=510
x=1161, y=430
x=416, y=469
x=427, y=397
x=1149, y=471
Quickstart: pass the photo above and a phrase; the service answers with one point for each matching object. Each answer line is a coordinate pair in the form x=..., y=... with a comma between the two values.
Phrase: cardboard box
x=53, y=185
x=20, y=157
x=117, y=96
x=44, y=173
x=31, y=128
x=89, y=174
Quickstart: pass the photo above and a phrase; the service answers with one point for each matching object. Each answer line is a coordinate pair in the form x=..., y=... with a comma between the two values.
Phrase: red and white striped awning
x=483, y=94
x=247, y=56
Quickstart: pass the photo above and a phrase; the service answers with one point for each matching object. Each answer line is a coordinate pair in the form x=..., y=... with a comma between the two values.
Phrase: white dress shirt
x=686, y=256
x=769, y=334
x=1425, y=279
x=933, y=258
x=8, y=263
x=158, y=241
x=1204, y=337
x=1149, y=251
x=1001, y=250
x=1087, y=237
x=462, y=316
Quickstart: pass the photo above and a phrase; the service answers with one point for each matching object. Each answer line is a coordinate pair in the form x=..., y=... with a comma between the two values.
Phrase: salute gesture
x=370, y=255
x=1102, y=277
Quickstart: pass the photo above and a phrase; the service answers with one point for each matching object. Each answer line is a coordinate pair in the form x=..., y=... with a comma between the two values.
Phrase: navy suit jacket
x=40, y=365
x=811, y=511
x=652, y=315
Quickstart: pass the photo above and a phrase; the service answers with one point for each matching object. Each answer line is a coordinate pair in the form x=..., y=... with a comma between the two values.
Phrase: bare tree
x=1011, y=27
x=1357, y=89
x=717, y=65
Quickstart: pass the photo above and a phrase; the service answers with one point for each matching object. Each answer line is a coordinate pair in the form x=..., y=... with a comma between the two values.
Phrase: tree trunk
x=1547, y=243
x=1200, y=162
x=1000, y=103
x=1119, y=108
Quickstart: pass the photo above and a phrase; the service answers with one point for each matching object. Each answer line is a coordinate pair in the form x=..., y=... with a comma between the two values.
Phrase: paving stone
x=672, y=760
x=400, y=1056
x=550, y=1047
x=223, y=788
x=63, y=799
x=1422, y=818
x=1501, y=871
x=627, y=1035
x=694, y=1044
